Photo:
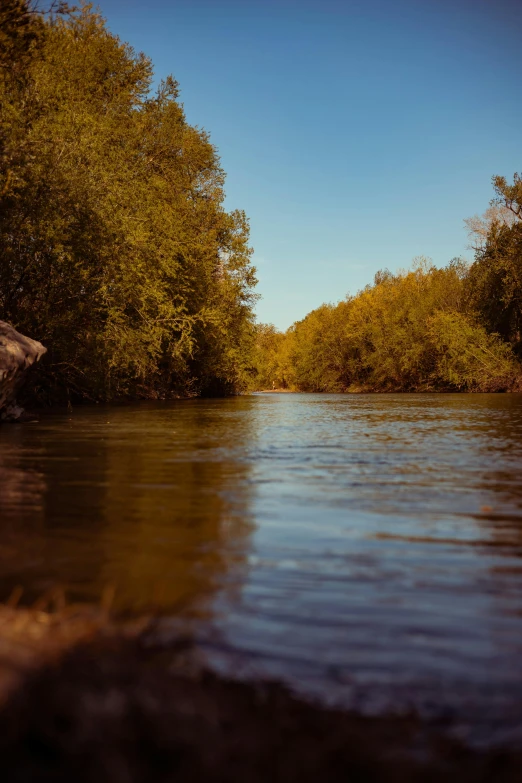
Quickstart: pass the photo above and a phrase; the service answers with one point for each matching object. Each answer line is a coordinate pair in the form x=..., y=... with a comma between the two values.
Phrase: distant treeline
x=116, y=251
x=457, y=328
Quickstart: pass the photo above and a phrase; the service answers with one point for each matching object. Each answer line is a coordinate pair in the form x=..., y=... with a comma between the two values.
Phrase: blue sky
x=355, y=135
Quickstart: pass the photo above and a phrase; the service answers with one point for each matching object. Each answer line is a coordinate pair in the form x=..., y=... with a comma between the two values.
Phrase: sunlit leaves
x=412, y=331
x=117, y=251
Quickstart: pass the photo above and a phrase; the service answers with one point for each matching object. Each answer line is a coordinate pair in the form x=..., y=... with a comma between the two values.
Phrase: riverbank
x=85, y=698
x=276, y=391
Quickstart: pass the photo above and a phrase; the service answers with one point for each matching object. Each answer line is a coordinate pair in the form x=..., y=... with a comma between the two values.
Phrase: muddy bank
x=87, y=700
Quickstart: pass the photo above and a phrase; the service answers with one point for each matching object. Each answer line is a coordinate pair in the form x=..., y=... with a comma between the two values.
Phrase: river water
x=365, y=548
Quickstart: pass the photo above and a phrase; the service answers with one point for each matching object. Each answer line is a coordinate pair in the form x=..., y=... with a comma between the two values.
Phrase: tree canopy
x=116, y=249
x=425, y=329
x=495, y=280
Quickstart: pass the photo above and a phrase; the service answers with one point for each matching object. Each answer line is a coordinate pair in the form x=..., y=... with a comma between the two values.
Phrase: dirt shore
x=87, y=700
x=276, y=391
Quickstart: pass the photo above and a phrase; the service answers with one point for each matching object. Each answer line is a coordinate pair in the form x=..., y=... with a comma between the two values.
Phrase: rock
x=17, y=354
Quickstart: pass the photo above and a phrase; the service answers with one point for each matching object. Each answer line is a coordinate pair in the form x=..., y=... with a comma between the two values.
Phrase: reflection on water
x=364, y=547
x=142, y=498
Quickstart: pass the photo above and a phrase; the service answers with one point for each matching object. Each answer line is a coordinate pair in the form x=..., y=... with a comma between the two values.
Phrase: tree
x=510, y=195
x=409, y=331
x=495, y=280
x=117, y=251
x=495, y=283
x=269, y=370
x=21, y=37
x=479, y=226
x=469, y=358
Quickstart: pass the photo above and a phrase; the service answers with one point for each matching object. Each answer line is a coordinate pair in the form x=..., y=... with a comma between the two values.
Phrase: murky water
x=366, y=548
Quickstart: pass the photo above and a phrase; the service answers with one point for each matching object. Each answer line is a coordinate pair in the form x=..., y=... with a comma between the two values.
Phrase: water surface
x=366, y=548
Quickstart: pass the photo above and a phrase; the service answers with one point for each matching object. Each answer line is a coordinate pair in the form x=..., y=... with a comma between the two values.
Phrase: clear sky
x=356, y=135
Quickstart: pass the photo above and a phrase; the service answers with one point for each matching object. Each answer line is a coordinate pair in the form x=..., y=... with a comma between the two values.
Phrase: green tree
x=268, y=364
x=318, y=350
x=469, y=358
x=406, y=332
x=495, y=281
x=21, y=36
x=509, y=195
x=117, y=251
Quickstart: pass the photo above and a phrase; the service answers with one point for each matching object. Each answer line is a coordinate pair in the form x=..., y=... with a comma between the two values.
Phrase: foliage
x=509, y=195
x=457, y=328
x=479, y=226
x=409, y=331
x=469, y=358
x=116, y=250
x=495, y=281
x=316, y=357
x=268, y=359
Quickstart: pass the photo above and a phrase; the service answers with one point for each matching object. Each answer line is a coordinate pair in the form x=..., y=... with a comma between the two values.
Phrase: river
x=367, y=549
